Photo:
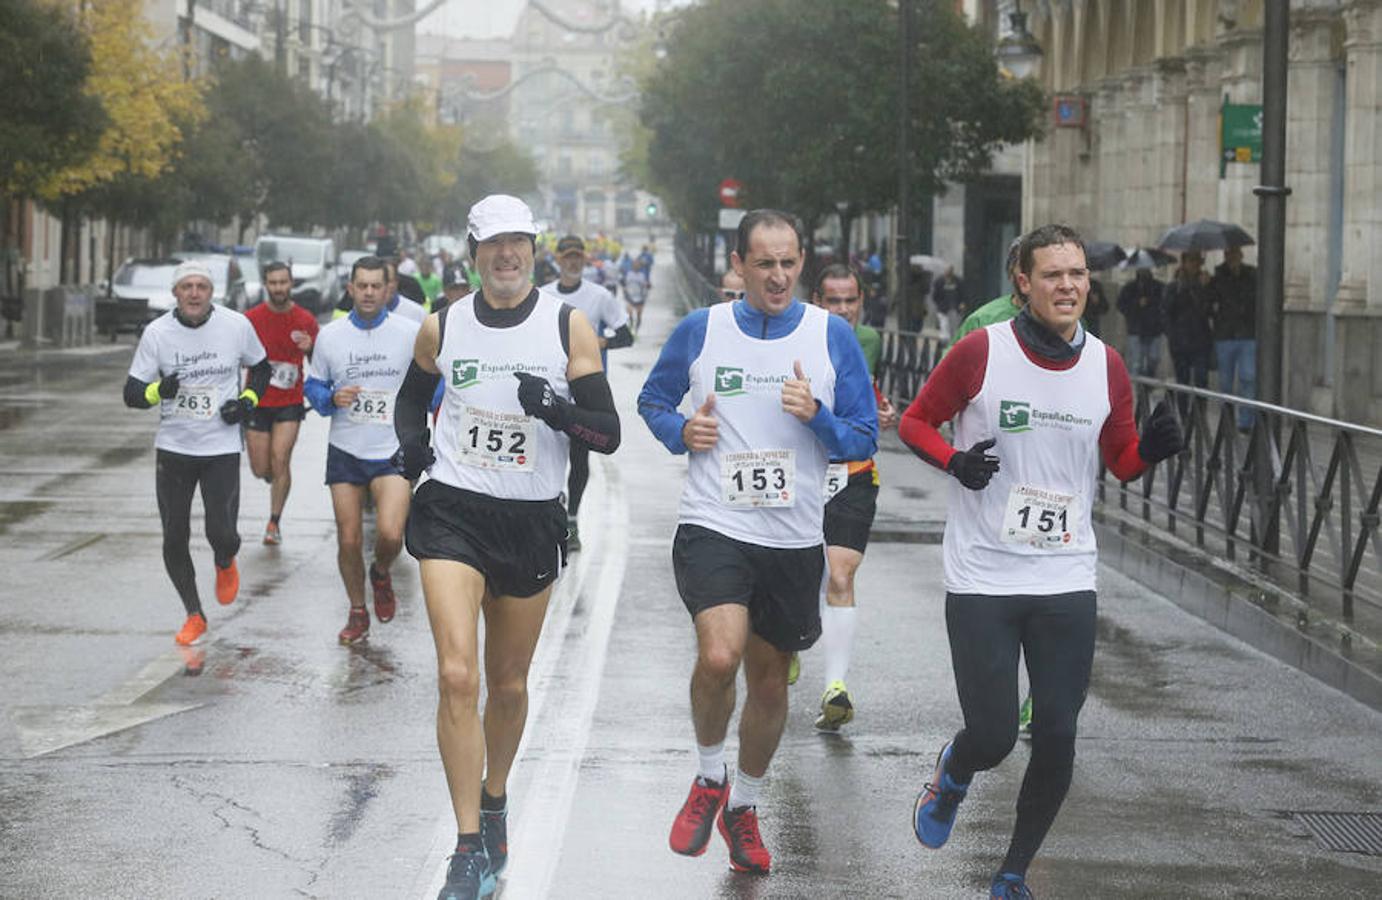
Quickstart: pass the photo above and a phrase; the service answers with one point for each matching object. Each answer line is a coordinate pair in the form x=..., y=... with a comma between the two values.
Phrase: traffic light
x=651, y=209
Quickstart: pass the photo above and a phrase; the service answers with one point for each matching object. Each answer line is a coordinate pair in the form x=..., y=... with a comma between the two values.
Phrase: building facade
x=1152, y=76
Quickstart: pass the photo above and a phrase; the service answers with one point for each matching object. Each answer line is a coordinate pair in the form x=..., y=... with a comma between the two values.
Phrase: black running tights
x=1056, y=636
x=580, y=475
x=176, y=480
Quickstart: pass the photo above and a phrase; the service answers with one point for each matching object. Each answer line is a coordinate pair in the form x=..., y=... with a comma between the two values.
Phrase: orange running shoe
x=357, y=626
x=227, y=583
x=192, y=630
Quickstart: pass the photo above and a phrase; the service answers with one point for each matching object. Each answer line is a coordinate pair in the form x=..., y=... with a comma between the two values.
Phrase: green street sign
x=1240, y=134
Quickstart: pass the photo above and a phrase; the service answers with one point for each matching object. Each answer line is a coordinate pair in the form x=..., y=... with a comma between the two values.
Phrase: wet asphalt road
x=290, y=766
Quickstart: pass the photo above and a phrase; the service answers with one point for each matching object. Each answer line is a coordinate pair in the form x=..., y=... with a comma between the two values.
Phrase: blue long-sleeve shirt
x=850, y=431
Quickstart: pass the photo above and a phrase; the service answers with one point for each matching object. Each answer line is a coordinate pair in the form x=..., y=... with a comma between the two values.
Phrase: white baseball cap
x=500, y=214
x=189, y=267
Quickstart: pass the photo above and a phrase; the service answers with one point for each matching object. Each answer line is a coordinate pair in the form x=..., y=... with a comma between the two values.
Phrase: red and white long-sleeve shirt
x=1029, y=530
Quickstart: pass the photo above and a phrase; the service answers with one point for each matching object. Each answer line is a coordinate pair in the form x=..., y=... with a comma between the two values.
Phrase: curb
x=1270, y=621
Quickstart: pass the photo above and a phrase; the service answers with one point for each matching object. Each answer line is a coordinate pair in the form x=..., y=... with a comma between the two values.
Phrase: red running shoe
x=739, y=828
x=357, y=626
x=385, y=603
x=693, y=825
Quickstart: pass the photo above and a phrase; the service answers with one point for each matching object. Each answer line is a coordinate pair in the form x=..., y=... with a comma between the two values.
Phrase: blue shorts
x=343, y=468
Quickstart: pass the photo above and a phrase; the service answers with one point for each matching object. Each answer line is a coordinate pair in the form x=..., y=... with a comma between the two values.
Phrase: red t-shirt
x=275, y=330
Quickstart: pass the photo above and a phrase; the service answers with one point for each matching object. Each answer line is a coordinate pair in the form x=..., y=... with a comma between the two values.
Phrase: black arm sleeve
x=414, y=399
x=258, y=378
x=134, y=393
x=592, y=419
x=622, y=338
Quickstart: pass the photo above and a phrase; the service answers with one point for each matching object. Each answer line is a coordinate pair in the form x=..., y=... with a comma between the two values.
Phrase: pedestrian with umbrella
x=1233, y=305
x=1140, y=302
x=1187, y=323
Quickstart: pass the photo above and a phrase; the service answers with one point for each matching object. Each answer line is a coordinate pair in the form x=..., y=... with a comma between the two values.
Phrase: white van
x=313, y=260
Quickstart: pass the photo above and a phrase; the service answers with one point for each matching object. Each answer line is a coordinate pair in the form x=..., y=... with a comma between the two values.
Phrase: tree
x=813, y=125
x=50, y=121
x=501, y=167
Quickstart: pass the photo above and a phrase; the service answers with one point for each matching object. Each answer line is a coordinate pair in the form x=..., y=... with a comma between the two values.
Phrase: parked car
x=315, y=283
x=143, y=288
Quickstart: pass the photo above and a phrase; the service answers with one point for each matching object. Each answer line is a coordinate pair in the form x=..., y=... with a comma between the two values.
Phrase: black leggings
x=177, y=478
x=580, y=475
x=1056, y=635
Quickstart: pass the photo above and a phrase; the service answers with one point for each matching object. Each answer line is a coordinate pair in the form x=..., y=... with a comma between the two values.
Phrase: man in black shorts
x=851, y=493
x=522, y=377
x=287, y=332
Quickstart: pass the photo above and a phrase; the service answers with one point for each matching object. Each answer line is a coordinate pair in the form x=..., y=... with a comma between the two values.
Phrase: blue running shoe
x=465, y=877
x=1007, y=886
x=934, y=813
x=494, y=832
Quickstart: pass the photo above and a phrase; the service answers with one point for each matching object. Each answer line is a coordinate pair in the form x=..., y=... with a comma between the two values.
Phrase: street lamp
x=1018, y=52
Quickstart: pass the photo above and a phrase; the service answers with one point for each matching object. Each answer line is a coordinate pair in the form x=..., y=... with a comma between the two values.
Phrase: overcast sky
x=496, y=18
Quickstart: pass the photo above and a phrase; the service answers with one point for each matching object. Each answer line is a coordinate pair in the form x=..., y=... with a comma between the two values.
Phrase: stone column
x=1309, y=157
x=1201, y=161
x=1358, y=307
x=1242, y=82
x=1169, y=120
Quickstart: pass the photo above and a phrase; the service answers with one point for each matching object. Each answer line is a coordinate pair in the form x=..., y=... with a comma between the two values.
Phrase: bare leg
x=720, y=635
x=392, y=495
x=512, y=627
x=454, y=592
x=283, y=439
x=765, y=706
x=257, y=444
x=346, y=501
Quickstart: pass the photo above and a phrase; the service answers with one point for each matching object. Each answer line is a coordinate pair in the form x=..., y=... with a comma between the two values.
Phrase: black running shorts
x=781, y=588
x=262, y=418
x=849, y=514
x=518, y=545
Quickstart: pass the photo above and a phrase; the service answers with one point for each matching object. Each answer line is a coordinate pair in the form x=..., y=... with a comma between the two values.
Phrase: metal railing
x=1292, y=498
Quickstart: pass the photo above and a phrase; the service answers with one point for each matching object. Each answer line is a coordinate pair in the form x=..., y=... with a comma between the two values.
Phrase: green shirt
x=871, y=343
x=999, y=309
x=431, y=285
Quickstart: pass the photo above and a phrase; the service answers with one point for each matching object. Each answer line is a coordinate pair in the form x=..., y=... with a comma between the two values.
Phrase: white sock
x=712, y=762
x=745, y=790
x=837, y=640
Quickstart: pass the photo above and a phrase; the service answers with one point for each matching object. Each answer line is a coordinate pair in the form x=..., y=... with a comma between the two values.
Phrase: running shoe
x=465, y=877
x=1007, y=886
x=385, y=603
x=934, y=813
x=1024, y=718
x=272, y=536
x=794, y=669
x=494, y=832
x=836, y=708
x=227, y=583
x=739, y=828
x=192, y=630
x=696, y=820
x=573, y=536
x=357, y=626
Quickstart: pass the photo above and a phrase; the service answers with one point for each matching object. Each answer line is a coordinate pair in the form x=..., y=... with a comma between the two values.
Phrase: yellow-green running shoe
x=794, y=669
x=836, y=708
x=1024, y=718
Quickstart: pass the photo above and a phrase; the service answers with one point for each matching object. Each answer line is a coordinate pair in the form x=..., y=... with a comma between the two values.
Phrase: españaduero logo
x=732, y=381
x=1016, y=416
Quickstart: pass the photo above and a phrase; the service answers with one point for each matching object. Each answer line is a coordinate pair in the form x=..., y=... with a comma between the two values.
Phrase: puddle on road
x=119, y=455
x=15, y=512
x=361, y=786
x=1131, y=675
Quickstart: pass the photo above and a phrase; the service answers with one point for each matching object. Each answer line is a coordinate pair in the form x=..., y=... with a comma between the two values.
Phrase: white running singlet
x=763, y=482
x=376, y=359
x=409, y=309
x=1029, y=531
x=484, y=441
x=207, y=360
x=601, y=308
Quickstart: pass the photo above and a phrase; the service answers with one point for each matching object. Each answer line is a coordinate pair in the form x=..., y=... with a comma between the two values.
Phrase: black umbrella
x=1103, y=254
x=1205, y=234
x=1146, y=258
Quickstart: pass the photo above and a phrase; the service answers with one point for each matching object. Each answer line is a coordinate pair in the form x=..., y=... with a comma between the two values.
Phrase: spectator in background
x=1187, y=323
x=917, y=292
x=1140, y=302
x=731, y=287
x=999, y=309
x=1233, y=310
x=1095, y=308
x=430, y=282
x=948, y=296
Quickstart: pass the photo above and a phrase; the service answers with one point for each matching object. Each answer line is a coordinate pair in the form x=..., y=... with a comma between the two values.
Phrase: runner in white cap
x=522, y=378
x=188, y=364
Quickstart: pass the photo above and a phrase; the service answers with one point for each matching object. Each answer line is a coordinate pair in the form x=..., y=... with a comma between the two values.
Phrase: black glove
x=233, y=412
x=974, y=467
x=168, y=386
x=415, y=457
x=538, y=400
x=1161, y=435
